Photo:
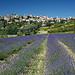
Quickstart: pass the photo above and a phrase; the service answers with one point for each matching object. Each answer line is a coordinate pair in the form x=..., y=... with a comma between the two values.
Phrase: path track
x=36, y=67
x=69, y=51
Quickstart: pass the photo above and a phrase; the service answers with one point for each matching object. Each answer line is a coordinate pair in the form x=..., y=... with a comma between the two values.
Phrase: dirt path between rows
x=36, y=67
x=10, y=57
x=72, y=54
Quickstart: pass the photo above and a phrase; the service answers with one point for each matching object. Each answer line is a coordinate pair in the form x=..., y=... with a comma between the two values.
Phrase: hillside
x=35, y=25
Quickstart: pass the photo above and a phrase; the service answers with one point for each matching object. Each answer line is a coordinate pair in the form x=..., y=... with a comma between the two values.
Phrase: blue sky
x=61, y=8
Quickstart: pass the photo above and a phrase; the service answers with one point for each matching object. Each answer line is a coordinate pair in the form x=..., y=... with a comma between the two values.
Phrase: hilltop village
x=13, y=24
x=27, y=17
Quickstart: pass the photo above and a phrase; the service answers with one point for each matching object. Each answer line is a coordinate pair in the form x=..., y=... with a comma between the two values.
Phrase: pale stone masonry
x=33, y=18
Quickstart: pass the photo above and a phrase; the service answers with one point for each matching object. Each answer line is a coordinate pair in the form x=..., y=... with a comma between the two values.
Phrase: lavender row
x=13, y=66
x=10, y=48
x=5, y=41
x=57, y=62
x=68, y=39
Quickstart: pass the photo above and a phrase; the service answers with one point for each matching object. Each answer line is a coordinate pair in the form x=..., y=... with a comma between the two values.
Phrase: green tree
x=74, y=21
x=19, y=33
x=4, y=23
x=48, y=24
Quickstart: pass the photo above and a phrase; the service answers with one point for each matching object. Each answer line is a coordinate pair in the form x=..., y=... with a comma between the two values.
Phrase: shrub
x=2, y=55
x=2, y=36
x=19, y=33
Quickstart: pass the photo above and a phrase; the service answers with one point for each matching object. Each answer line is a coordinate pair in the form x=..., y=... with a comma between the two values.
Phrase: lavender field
x=56, y=56
x=58, y=60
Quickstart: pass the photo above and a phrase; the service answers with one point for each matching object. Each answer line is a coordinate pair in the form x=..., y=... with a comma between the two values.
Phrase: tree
x=74, y=21
x=48, y=24
x=28, y=17
x=4, y=23
x=19, y=33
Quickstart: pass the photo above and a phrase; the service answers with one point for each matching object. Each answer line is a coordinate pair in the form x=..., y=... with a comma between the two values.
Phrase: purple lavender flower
x=57, y=60
x=23, y=57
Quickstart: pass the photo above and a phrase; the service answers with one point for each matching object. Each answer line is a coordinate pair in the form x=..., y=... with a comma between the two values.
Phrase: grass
x=7, y=36
x=69, y=51
x=58, y=61
x=42, y=32
x=36, y=67
x=16, y=65
x=12, y=35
